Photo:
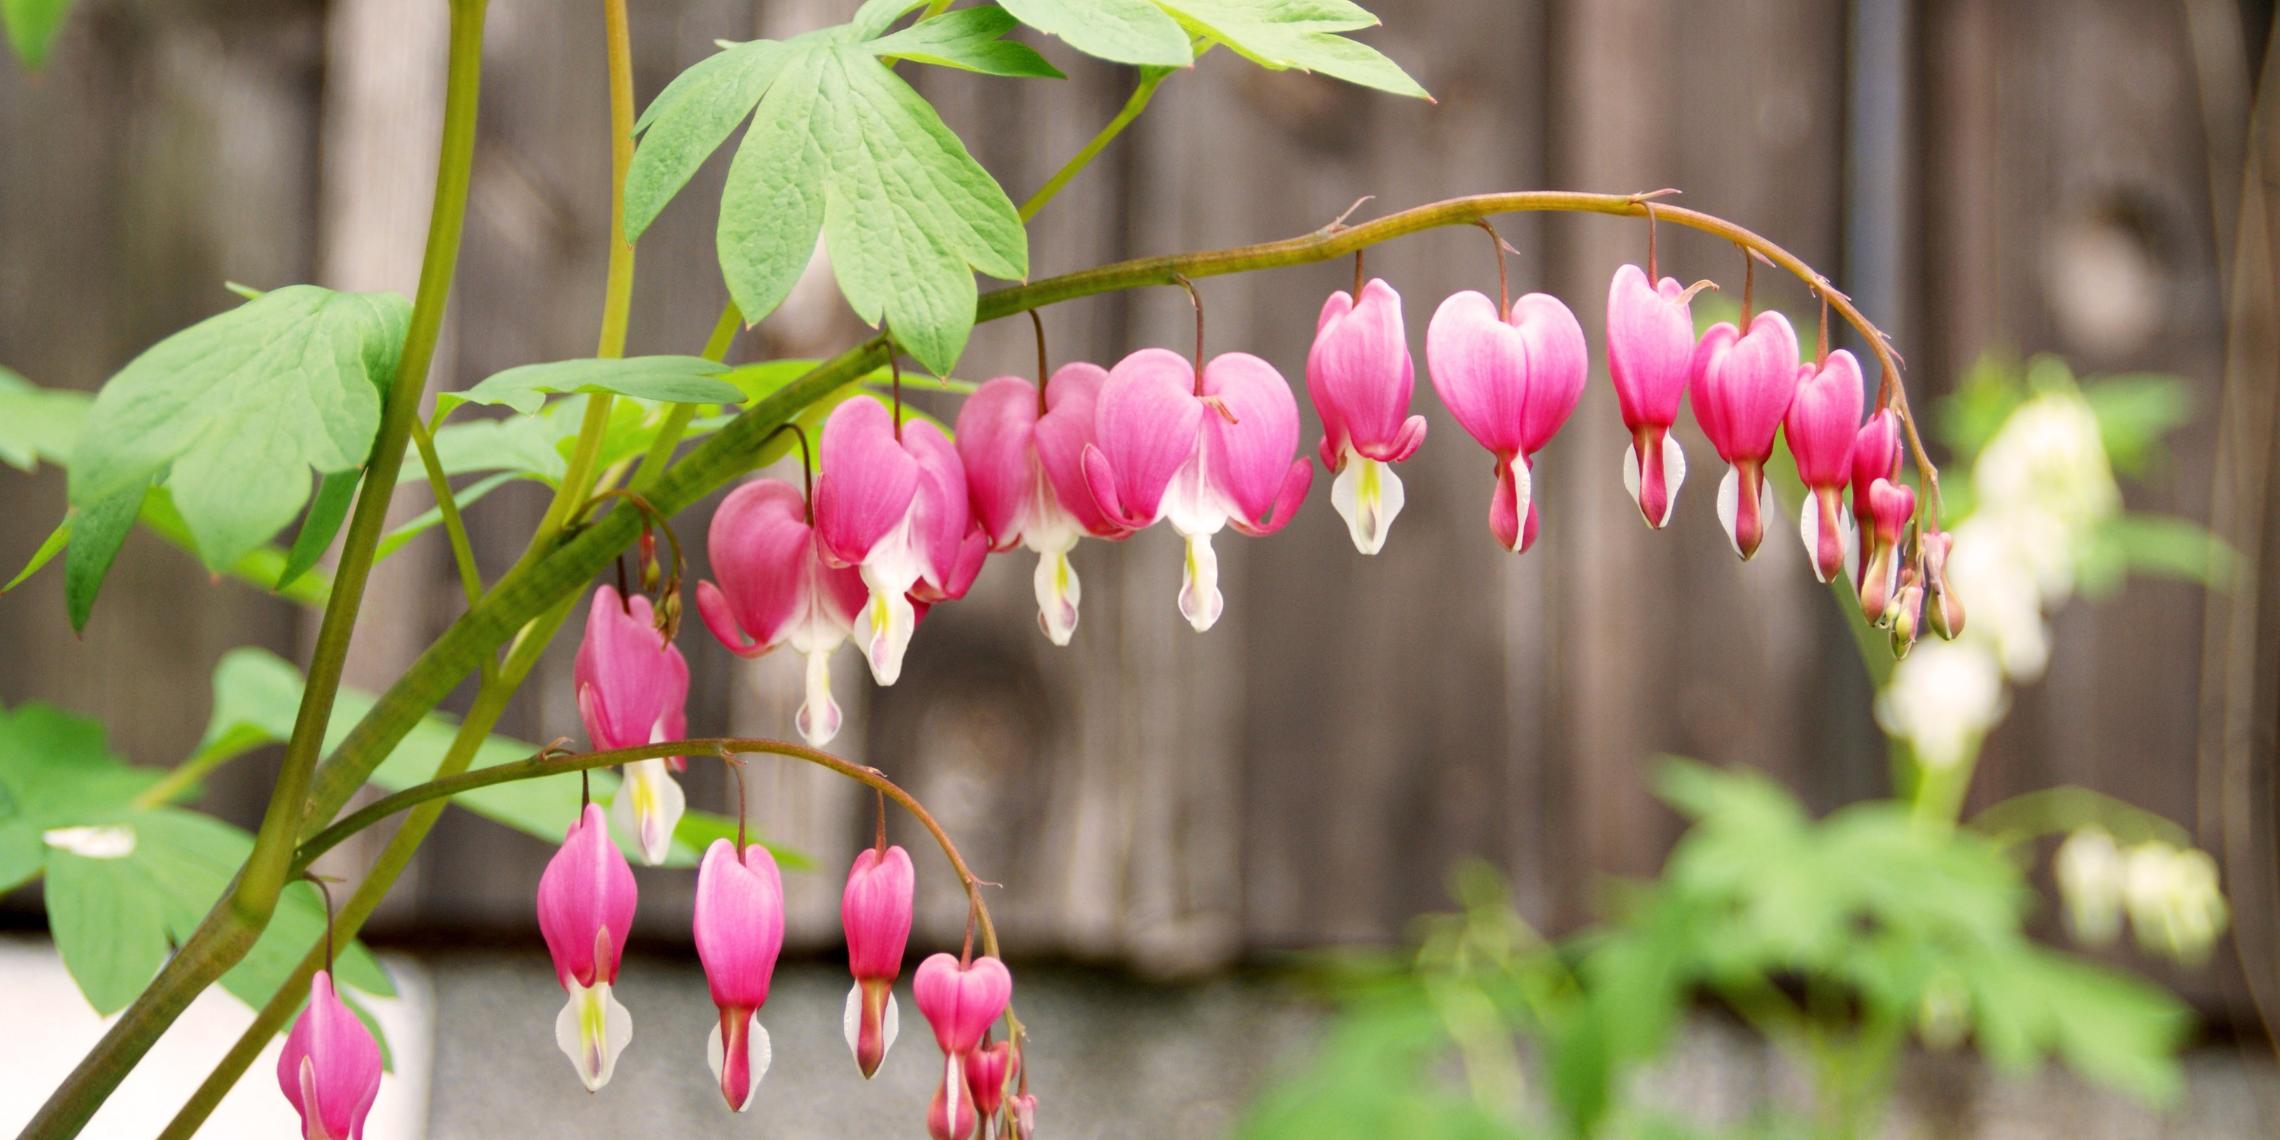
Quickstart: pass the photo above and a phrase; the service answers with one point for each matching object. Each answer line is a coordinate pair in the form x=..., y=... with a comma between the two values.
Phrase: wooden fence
x=2030, y=175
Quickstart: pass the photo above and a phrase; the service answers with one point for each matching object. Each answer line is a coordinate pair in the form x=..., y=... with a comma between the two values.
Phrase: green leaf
x=2168, y=547
x=1305, y=35
x=523, y=444
x=842, y=149
x=671, y=379
x=689, y=120
x=108, y=925
x=37, y=423
x=326, y=514
x=98, y=534
x=967, y=39
x=52, y=546
x=1121, y=31
x=32, y=27
x=234, y=411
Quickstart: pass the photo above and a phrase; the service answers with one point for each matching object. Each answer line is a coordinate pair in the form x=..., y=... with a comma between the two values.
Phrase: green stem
x=617, y=289
x=1150, y=79
x=447, y=505
x=482, y=715
x=236, y=921
x=677, y=420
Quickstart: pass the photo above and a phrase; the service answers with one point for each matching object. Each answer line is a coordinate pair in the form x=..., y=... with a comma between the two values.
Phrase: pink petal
x=1705, y=385
x=996, y=442
x=1650, y=341
x=867, y=479
x=761, y=548
x=1359, y=371
x=1248, y=451
x=587, y=891
x=1146, y=427
x=739, y=923
x=330, y=1066
x=1876, y=455
x=960, y=1003
x=1478, y=365
x=1297, y=480
x=875, y=912
x=1823, y=418
x=1557, y=366
x=941, y=518
x=1512, y=531
x=1072, y=402
x=627, y=675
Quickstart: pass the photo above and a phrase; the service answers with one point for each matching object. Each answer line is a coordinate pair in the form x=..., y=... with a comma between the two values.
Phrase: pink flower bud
x=1742, y=384
x=1360, y=375
x=875, y=910
x=1024, y=1116
x=1201, y=456
x=960, y=1002
x=739, y=929
x=776, y=587
x=585, y=908
x=1890, y=505
x=633, y=689
x=330, y=1066
x=897, y=507
x=986, y=1073
x=1511, y=381
x=1650, y=343
x=1823, y=418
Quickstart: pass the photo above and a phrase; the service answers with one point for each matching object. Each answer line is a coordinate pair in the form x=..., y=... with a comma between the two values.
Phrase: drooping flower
x=875, y=911
x=960, y=1003
x=1360, y=375
x=1511, y=381
x=586, y=900
x=1876, y=455
x=739, y=930
x=895, y=506
x=1823, y=419
x=986, y=1074
x=1650, y=342
x=1741, y=385
x=1200, y=455
x=330, y=1067
x=1940, y=602
x=1890, y=506
x=633, y=689
x=1025, y=476
x=776, y=587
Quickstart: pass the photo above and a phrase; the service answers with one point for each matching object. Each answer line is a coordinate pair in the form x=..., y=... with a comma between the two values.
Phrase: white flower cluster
x=2169, y=893
x=2042, y=485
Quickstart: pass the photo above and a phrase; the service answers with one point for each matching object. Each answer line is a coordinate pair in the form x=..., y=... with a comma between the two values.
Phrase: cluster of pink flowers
x=904, y=516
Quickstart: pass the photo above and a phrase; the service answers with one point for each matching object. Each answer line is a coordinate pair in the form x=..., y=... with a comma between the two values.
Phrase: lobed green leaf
x=967, y=39
x=668, y=379
x=1121, y=31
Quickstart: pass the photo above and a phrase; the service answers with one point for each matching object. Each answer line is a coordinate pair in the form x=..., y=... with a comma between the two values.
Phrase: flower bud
x=1940, y=603
x=330, y=1066
x=875, y=911
x=1650, y=347
x=586, y=901
x=986, y=1074
x=739, y=928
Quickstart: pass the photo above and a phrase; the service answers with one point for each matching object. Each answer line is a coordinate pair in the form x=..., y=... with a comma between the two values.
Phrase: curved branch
x=551, y=763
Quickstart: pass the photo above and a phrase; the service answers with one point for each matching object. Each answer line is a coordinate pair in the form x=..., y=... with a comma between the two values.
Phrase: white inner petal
x=1368, y=495
x=592, y=1030
x=819, y=716
x=1523, y=495
x=648, y=807
x=757, y=1054
x=1200, y=600
x=884, y=630
x=1057, y=595
x=851, y=1021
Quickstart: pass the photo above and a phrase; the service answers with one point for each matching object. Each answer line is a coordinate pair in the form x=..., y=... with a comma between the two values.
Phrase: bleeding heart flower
x=960, y=1003
x=1890, y=506
x=1360, y=375
x=986, y=1073
x=1823, y=418
x=739, y=930
x=1202, y=456
x=1650, y=342
x=1876, y=455
x=585, y=908
x=896, y=507
x=1511, y=380
x=330, y=1066
x=776, y=587
x=1939, y=598
x=875, y=911
x=1742, y=384
x=633, y=689
x=1025, y=476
